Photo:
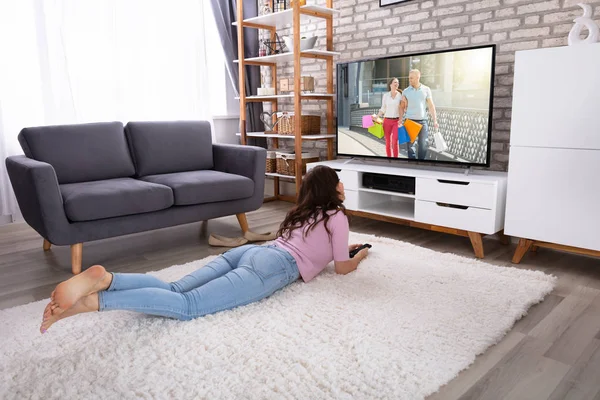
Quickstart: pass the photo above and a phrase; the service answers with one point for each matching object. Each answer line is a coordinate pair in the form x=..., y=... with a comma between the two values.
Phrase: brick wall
x=365, y=30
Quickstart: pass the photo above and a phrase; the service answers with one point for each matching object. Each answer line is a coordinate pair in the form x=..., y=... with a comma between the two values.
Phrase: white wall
x=226, y=123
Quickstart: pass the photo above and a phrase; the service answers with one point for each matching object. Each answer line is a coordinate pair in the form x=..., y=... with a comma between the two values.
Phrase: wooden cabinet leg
x=503, y=238
x=76, y=254
x=522, y=248
x=477, y=243
x=534, y=248
x=47, y=245
x=243, y=222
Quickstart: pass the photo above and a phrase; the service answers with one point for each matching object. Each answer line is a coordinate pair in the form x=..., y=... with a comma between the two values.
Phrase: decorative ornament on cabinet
x=585, y=21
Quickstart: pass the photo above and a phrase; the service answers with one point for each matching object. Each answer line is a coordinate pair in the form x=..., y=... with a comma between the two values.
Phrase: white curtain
x=75, y=61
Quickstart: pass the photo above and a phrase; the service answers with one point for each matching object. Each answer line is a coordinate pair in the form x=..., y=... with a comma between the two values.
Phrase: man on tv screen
x=416, y=99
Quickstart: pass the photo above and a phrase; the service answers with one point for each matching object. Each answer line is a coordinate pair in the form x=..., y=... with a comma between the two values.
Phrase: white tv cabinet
x=553, y=198
x=445, y=200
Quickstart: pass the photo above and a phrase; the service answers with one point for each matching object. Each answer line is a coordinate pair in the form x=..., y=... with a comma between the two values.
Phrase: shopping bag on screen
x=413, y=128
x=440, y=143
x=367, y=121
x=403, y=135
x=376, y=130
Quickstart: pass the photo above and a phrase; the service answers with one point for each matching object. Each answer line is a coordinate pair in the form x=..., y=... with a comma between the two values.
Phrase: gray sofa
x=78, y=183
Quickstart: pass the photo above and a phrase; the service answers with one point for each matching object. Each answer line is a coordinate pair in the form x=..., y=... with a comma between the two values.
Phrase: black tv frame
x=447, y=163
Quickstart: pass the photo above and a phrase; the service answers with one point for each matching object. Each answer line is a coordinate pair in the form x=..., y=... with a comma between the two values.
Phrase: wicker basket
x=286, y=162
x=311, y=124
x=271, y=161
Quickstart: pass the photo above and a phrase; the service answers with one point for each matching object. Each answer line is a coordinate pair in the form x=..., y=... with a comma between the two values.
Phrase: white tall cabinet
x=553, y=193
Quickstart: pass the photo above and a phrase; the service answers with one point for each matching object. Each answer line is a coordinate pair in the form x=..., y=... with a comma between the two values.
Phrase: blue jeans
x=240, y=276
x=421, y=141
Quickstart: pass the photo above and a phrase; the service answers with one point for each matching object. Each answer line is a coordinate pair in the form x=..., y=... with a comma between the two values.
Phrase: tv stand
x=455, y=202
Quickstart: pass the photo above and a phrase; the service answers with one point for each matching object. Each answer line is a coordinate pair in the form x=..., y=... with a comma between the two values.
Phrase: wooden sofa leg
x=243, y=222
x=76, y=252
x=47, y=245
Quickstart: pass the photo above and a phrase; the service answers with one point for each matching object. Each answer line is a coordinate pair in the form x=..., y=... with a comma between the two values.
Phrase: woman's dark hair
x=390, y=81
x=318, y=194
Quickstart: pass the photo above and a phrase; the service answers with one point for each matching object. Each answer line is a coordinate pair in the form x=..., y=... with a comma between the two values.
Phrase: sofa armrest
x=248, y=161
x=38, y=194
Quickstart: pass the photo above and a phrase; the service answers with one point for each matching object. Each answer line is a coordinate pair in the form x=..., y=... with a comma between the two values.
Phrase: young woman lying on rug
x=314, y=233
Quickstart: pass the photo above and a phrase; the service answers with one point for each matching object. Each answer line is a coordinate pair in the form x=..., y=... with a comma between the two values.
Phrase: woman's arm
x=345, y=267
x=340, y=234
x=401, y=110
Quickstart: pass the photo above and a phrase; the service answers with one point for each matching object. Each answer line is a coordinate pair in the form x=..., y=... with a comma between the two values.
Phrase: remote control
x=355, y=251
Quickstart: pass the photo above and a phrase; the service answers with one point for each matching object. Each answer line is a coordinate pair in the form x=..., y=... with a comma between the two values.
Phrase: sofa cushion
x=166, y=147
x=197, y=187
x=80, y=153
x=87, y=201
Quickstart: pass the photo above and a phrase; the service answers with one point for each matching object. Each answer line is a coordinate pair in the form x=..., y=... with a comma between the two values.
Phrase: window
x=219, y=82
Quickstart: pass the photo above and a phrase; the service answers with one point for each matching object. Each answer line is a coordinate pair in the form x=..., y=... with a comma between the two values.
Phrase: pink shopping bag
x=367, y=121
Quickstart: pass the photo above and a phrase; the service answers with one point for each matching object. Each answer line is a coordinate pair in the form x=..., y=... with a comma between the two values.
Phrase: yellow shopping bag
x=376, y=130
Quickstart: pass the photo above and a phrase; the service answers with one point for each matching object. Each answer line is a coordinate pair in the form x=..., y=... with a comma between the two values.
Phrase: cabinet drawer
x=349, y=178
x=474, y=194
x=469, y=219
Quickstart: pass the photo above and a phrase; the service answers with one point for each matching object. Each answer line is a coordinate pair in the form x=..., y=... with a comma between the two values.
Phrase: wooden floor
x=552, y=353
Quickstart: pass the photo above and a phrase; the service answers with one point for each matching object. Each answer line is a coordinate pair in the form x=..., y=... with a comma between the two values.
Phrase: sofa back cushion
x=167, y=147
x=81, y=152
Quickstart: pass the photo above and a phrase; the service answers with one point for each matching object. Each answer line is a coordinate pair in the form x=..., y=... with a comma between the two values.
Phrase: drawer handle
x=453, y=182
x=452, y=206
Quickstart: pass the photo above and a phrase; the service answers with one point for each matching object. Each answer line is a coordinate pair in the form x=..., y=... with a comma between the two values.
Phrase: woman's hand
x=399, y=123
x=361, y=255
x=345, y=267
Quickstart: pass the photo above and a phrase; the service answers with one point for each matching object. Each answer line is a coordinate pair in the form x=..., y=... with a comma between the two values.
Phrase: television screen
x=434, y=107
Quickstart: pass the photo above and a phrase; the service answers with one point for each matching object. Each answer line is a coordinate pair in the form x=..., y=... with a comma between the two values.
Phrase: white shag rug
x=407, y=322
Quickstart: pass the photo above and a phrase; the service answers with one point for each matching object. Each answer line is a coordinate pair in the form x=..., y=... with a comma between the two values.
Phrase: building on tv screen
x=433, y=107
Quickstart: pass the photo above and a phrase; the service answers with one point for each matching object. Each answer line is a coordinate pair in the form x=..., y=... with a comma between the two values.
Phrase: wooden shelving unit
x=272, y=22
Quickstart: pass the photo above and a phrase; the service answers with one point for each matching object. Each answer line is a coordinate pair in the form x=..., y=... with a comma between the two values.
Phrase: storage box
x=311, y=124
x=265, y=91
x=271, y=161
x=286, y=162
x=307, y=84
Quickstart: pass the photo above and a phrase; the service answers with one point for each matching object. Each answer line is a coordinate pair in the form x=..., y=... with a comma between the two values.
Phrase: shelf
x=395, y=209
x=410, y=196
x=280, y=175
x=282, y=18
x=323, y=51
x=284, y=57
x=305, y=96
x=280, y=136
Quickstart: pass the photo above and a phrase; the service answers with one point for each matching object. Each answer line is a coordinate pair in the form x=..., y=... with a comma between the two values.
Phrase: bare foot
x=69, y=292
x=83, y=305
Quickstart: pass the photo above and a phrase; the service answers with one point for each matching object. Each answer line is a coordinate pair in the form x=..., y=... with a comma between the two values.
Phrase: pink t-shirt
x=317, y=249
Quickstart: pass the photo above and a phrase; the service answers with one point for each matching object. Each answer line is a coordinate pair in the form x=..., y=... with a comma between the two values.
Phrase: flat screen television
x=444, y=104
